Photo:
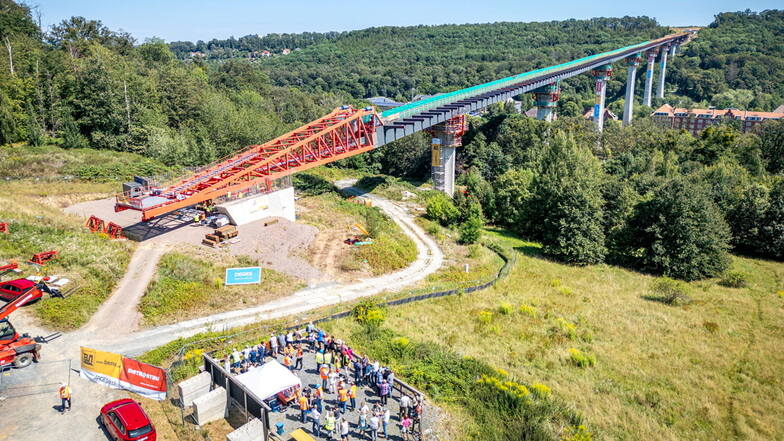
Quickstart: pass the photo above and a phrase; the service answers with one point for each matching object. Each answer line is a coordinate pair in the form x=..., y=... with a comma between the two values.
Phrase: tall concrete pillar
x=447, y=136
x=631, y=76
x=545, y=99
x=662, y=71
x=601, y=75
x=646, y=100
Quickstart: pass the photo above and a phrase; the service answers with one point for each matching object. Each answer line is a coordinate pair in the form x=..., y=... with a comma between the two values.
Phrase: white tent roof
x=269, y=379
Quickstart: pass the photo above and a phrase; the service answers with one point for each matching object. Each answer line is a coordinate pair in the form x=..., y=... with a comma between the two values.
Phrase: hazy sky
x=201, y=19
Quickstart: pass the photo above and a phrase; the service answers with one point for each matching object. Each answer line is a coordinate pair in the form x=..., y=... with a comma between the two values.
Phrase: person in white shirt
x=374, y=423
x=405, y=403
x=385, y=423
x=344, y=429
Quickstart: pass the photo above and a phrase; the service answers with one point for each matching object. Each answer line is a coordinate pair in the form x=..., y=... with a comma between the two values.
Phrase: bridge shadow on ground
x=142, y=231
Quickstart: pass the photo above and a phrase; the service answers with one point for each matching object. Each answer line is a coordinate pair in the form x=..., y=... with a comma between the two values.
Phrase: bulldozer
x=18, y=350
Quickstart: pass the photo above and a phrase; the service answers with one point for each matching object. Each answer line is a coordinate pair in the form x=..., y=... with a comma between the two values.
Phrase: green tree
x=771, y=144
x=441, y=209
x=471, y=227
x=679, y=232
x=567, y=203
x=747, y=218
x=512, y=194
x=35, y=135
x=772, y=228
x=72, y=138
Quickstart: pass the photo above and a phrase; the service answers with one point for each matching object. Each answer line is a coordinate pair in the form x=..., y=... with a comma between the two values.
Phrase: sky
x=204, y=20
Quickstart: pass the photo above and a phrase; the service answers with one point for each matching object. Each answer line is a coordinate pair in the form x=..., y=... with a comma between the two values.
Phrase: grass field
x=707, y=370
x=188, y=285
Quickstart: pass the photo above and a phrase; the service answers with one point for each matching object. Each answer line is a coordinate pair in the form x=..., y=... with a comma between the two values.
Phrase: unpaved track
x=120, y=313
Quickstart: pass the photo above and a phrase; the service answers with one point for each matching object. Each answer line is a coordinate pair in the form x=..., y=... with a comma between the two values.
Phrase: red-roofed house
x=695, y=120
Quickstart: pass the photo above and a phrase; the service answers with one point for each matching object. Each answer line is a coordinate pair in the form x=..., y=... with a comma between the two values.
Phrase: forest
x=660, y=201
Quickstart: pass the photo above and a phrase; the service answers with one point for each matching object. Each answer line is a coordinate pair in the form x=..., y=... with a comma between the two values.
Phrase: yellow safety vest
x=65, y=392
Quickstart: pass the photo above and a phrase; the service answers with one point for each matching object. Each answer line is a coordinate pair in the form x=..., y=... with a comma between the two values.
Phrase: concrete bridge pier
x=663, y=71
x=545, y=100
x=601, y=75
x=631, y=76
x=447, y=136
x=646, y=100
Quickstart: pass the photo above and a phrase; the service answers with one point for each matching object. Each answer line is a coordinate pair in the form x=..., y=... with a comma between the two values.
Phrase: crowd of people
x=328, y=405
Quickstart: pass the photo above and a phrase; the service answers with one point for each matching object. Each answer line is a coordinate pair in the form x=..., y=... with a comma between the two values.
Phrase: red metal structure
x=114, y=231
x=4, y=228
x=20, y=351
x=342, y=133
x=42, y=258
x=95, y=224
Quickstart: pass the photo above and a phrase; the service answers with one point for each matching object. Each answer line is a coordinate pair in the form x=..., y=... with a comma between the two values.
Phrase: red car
x=14, y=288
x=125, y=420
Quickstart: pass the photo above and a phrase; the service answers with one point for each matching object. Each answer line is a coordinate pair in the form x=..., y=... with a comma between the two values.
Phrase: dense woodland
x=657, y=200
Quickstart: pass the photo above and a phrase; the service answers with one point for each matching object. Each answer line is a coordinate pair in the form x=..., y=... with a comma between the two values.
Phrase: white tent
x=268, y=379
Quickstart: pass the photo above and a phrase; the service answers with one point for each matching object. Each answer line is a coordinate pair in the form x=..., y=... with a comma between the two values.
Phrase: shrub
x=368, y=314
x=735, y=279
x=780, y=293
x=580, y=358
x=711, y=327
x=485, y=317
x=541, y=390
x=671, y=292
x=555, y=283
x=528, y=310
x=401, y=342
x=505, y=309
x=440, y=208
x=566, y=291
x=577, y=433
x=564, y=328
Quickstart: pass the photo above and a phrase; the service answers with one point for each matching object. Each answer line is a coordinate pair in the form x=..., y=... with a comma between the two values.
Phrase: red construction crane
x=342, y=133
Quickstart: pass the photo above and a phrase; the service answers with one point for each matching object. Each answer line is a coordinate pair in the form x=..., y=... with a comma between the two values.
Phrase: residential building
x=696, y=120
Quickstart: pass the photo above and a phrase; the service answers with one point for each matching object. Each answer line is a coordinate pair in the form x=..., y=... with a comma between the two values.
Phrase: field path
x=120, y=312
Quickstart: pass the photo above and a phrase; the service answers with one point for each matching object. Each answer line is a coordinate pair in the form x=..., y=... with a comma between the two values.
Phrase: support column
x=447, y=136
x=646, y=100
x=601, y=75
x=631, y=76
x=545, y=99
x=662, y=71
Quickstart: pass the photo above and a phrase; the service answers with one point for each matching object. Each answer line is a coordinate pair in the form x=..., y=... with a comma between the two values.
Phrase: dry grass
x=709, y=370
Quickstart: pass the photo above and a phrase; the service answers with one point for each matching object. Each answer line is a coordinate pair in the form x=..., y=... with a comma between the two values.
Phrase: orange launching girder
x=342, y=133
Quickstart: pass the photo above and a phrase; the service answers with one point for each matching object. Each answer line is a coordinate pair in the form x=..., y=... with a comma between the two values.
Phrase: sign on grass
x=243, y=276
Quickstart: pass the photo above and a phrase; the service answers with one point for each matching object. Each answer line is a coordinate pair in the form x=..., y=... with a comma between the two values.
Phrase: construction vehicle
x=12, y=289
x=18, y=350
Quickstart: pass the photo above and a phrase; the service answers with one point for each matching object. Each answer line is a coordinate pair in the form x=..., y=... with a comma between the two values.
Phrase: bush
x=528, y=310
x=580, y=358
x=505, y=309
x=441, y=209
x=368, y=314
x=484, y=317
x=671, y=292
x=566, y=291
x=564, y=328
x=735, y=279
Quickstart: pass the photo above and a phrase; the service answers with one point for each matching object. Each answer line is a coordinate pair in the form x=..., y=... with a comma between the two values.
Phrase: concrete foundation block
x=210, y=407
x=252, y=431
x=278, y=203
x=194, y=387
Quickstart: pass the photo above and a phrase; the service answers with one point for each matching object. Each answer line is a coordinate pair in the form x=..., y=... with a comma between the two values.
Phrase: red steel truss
x=342, y=133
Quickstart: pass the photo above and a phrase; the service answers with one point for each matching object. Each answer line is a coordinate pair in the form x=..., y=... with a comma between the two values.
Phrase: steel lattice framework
x=342, y=133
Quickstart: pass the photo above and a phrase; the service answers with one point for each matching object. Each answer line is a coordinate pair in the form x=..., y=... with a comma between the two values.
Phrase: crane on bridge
x=346, y=132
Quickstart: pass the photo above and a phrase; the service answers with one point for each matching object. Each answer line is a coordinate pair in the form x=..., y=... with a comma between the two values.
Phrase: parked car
x=125, y=420
x=11, y=289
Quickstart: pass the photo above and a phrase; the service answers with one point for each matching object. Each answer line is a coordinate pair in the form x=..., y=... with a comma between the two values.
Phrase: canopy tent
x=269, y=379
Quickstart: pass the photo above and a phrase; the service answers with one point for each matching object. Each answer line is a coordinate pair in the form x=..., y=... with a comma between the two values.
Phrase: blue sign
x=243, y=276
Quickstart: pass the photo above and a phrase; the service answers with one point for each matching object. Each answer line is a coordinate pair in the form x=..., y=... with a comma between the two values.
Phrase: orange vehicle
x=17, y=350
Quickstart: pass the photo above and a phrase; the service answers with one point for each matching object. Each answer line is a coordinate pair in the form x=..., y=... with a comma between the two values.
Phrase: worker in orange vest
x=352, y=395
x=303, y=406
x=324, y=373
x=65, y=397
x=300, y=354
x=343, y=398
x=287, y=361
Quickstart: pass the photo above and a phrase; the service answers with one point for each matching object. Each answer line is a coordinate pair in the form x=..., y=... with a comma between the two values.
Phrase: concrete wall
x=279, y=203
x=252, y=431
x=210, y=407
x=194, y=387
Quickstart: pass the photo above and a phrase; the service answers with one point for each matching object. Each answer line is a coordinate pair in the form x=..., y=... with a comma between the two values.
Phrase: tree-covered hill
x=737, y=61
x=404, y=61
